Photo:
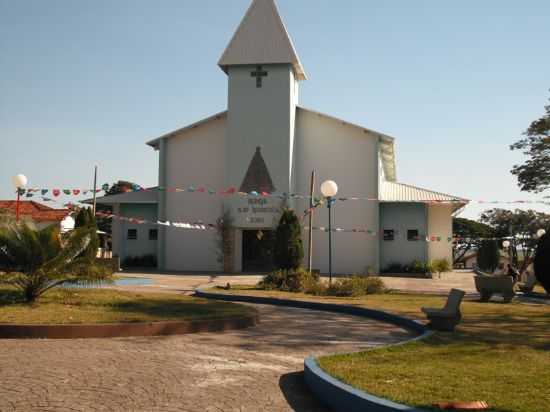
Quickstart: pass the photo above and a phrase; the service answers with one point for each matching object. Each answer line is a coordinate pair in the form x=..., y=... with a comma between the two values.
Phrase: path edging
x=124, y=330
x=338, y=395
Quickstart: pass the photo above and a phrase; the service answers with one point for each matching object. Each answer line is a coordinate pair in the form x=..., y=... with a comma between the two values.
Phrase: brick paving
x=257, y=369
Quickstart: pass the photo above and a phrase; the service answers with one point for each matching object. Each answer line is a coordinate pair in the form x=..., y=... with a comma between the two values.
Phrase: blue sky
x=85, y=83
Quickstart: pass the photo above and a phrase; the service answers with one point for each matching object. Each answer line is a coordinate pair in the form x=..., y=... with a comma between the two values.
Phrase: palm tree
x=36, y=261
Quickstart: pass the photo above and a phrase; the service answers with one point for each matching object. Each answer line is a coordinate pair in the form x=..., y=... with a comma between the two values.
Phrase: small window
x=132, y=234
x=153, y=234
x=389, y=235
x=412, y=235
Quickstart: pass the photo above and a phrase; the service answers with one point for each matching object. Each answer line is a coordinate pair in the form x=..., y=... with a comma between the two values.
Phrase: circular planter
x=120, y=330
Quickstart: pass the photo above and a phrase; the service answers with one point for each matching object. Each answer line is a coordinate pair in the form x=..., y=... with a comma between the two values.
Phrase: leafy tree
x=534, y=174
x=469, y=233
x=82, y=218
x=542, y=262
x=289, y=249
x=488, y=255
x=37, y=260
x=521, y=227
x=122, y=186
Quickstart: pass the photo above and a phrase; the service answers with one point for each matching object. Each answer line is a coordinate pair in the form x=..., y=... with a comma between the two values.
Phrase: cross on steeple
x=258, y=74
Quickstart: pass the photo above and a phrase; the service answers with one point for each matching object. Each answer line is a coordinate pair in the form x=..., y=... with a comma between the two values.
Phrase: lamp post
x=329, y=189
x=19, y=181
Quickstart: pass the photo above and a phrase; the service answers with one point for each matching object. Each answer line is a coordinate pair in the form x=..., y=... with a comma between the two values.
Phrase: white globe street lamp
x=506, y=244
x=20, y=182
x=540, y=233
x=329, y=189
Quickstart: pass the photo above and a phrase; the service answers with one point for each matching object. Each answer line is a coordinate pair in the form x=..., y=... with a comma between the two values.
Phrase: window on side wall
x=389, y=234
x=153, y=234
x=412, y=235
x=132, y=234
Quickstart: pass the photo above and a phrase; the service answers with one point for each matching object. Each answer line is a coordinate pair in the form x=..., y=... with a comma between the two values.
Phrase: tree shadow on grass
x=10, y=297
x=175, y=308
x=298, y=395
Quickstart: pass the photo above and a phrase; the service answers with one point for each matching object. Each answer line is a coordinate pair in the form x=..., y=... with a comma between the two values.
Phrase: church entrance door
x=258, y=250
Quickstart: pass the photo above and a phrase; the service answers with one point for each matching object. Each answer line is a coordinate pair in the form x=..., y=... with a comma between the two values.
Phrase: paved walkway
x=256, y=369
x=463, y=280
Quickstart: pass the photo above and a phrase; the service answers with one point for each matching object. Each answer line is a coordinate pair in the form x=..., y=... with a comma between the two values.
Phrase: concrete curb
x=334, y=393
x=345, y=398
x=122, y=330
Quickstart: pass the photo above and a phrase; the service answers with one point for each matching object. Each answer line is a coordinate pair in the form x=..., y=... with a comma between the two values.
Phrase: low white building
x=266, y=142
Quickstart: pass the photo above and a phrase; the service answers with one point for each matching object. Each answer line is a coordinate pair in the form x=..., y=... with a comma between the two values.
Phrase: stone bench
x=447, y=318
x=489, y=285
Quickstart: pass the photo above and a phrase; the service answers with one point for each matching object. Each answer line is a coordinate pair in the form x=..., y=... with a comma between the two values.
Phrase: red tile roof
x=36, y=211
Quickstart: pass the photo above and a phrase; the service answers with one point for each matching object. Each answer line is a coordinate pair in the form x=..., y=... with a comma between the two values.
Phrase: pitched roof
x=399, y=192
x=149, y=196
x=35, y=211
x=262, y=38
x=257, y=176
x=155, y=142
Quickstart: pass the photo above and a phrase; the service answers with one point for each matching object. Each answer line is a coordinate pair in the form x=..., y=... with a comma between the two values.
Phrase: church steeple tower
x=260, y=39
x=263, y=71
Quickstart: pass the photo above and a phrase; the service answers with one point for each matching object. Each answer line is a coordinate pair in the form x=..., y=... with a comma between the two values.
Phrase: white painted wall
x=142, y=246
x=260, y=117
x=349, y=156
x=196, y=157
x=440, y=224
x=401, y=217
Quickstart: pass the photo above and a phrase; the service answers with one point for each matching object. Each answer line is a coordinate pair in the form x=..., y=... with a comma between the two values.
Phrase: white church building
x=265, y=142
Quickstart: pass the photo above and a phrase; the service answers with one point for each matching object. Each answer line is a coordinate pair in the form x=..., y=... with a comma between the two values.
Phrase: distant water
x=117, y=282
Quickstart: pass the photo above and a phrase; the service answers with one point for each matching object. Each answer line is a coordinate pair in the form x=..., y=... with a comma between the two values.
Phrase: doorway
x=258, y=250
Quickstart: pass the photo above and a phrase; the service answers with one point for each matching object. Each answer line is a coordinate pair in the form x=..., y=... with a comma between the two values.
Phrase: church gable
x=257, y=178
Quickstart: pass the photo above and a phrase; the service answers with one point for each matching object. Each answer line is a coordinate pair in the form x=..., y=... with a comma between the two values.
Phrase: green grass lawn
x=500, y=354
x=70, y=306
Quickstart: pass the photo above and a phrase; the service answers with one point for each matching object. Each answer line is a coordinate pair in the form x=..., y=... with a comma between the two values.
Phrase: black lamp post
x=329, y=189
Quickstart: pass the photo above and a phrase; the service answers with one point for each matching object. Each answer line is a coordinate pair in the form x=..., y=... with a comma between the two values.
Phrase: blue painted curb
x=345, y=398
x=334, y=393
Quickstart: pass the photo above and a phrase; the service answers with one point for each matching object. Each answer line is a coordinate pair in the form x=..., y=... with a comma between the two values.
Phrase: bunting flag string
x=232, y=191
x=140, y=221
x=210, y=226
x=32, y=192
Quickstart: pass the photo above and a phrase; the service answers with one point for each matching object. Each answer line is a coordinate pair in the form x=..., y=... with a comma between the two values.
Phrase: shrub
x=488, y=255
x=291, y=281
x=356, y=286
x=542, y=262
x=289, y=250
x=442, y=265
x=417, y=266
x=394, y=268
x=39, y=260
x=145, y=261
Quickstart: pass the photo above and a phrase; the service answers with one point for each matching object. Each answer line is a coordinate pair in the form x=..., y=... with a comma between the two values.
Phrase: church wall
x=195, y=158
x=401, y=217
x=141, y=246
x=260, y=117
x=349, y=156
x=440, y=224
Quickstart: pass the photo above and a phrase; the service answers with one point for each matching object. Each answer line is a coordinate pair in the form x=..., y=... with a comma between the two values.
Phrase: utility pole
x=311, y=211
x=95, y=190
